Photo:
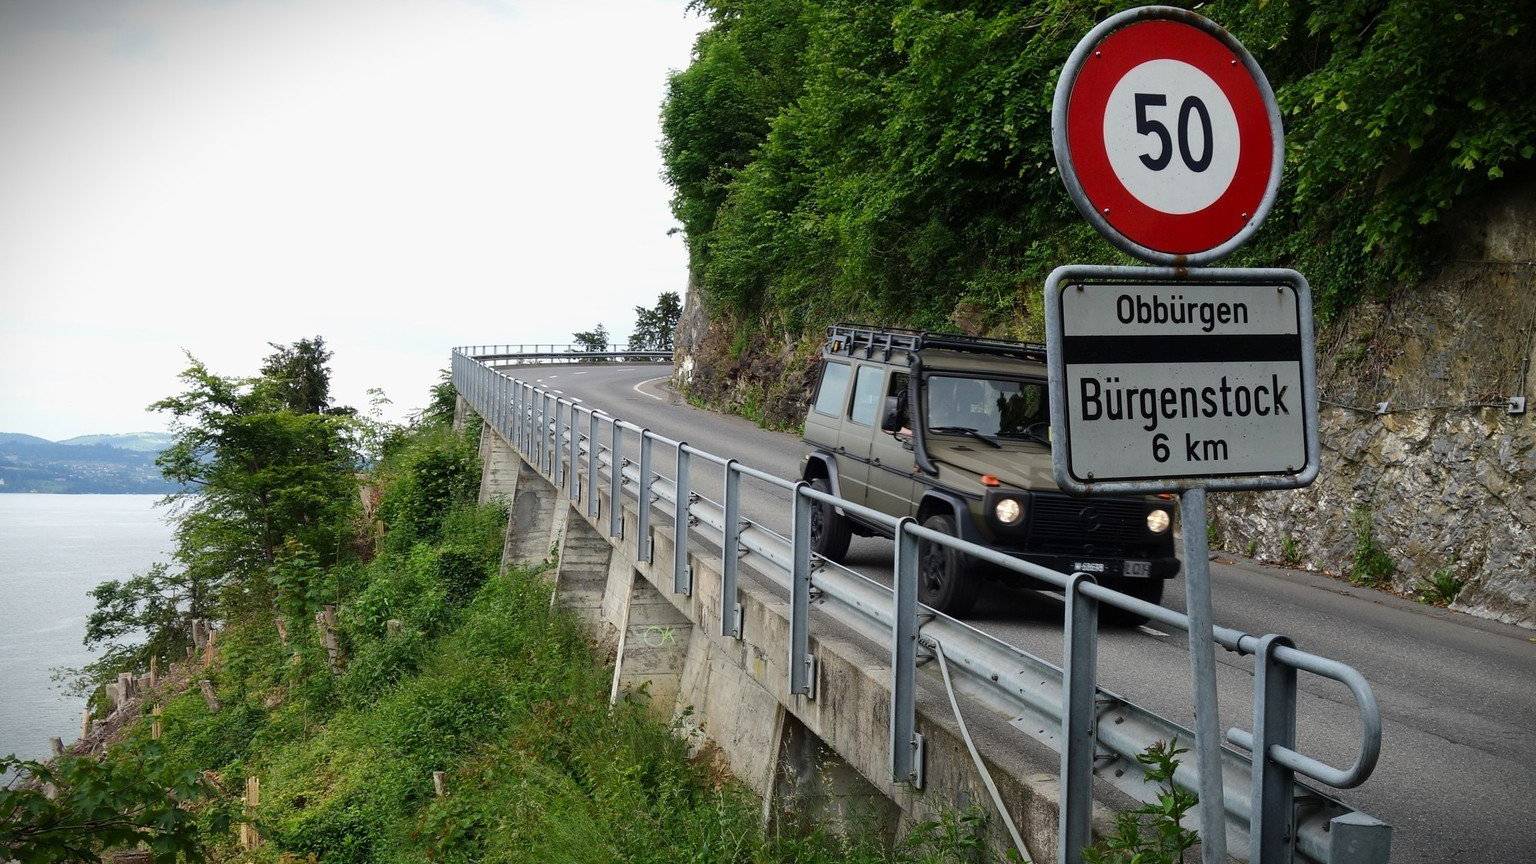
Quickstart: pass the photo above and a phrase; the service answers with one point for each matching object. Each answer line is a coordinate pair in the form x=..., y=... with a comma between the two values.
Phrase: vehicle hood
x=1015, y=463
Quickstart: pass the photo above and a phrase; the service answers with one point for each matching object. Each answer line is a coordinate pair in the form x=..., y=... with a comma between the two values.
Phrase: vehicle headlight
x=1158, y=521
x=1008, y=511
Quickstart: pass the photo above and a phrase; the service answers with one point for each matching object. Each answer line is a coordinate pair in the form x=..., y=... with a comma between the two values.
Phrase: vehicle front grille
x=1105, y=527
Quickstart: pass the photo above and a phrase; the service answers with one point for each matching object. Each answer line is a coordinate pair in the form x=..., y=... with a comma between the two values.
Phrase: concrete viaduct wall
x=822, y=760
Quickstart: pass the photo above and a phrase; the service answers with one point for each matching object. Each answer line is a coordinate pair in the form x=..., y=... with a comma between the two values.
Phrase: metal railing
x=1283, y=820
x=550, y=352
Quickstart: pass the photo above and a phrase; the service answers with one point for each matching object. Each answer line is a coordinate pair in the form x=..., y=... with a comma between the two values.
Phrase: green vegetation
x=1290, y=553
x=1440, y=587
x=655, y=326
x=130, y=799
x=1153, y=833
x=444, y=665
x=891, y=160
x=1371, y=565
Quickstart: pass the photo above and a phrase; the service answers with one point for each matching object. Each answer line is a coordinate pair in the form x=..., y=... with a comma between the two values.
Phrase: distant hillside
x=149, y=442
x=87, y=464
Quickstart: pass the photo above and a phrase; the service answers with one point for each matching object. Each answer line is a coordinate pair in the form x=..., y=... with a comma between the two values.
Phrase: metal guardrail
x=1284, y=821
x=568, y=353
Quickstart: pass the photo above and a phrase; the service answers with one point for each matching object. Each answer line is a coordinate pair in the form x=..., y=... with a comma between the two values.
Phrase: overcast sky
x=399, y=176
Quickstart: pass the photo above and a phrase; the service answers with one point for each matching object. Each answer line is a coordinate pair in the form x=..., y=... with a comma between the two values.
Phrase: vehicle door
x=892, y=466
x=859, y=431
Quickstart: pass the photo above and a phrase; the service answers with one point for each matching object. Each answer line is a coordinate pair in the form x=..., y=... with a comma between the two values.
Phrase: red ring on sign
x=1175, y=234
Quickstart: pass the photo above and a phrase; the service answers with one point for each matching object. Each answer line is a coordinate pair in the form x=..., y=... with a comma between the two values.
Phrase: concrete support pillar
x=815, y=788
x=498, y=468
x=530, y=519
x=582, y=576
x=653, y=647
x=460, y=413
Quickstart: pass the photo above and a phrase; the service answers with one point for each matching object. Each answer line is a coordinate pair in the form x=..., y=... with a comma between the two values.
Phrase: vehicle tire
x=946, y=578
x=1150, y=590
x=830, y=532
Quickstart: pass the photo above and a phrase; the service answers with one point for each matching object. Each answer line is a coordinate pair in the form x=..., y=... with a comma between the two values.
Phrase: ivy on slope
x=891, y=159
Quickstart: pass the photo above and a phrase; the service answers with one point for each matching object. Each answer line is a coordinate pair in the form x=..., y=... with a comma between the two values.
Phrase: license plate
x=1088, y=566
x=1137, y=568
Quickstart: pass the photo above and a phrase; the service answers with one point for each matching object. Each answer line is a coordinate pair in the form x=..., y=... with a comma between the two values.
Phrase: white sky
x=399, y=176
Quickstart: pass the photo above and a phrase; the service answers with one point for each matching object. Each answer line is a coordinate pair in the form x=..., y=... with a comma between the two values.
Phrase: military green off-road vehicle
x=955, y=431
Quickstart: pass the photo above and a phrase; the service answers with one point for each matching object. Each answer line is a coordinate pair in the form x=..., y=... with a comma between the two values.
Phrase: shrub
x=1371, y=566
x=1440, y=587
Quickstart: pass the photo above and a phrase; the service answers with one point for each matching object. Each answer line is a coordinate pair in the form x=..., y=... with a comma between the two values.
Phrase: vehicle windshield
x=994, y=407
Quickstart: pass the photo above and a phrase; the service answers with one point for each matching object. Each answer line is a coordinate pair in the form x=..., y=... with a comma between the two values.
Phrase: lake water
x=53, y=550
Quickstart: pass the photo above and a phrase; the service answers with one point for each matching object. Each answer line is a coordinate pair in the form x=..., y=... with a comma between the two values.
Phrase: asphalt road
x=1457, y=776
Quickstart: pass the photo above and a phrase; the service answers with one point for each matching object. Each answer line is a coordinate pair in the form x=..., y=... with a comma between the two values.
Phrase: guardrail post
x=573, y=463
x=517, y=416
x=682, y=573
x=592, y=457
x=801, y=665
x=545, y=441
x=556, y=451
x=1271, y=830
x=1079, y=715
x=730, y=554
x=616, y=483
x=906, y=744
x=643, y=550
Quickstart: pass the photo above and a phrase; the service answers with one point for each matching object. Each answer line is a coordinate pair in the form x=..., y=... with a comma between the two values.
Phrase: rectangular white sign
x=1164, y=384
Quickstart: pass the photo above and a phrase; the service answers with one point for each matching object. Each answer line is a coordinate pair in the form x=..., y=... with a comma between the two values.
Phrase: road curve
x=1457, y=776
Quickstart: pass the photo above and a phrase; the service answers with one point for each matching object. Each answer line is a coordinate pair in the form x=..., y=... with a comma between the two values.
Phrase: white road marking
x=578, y=373
x=552, y=377
x=652, y=395
x=1151, y=631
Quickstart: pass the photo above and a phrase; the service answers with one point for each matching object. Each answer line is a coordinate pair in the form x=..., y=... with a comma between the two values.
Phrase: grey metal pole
x=682, y=571
x=730, y=553
x=800, y=668
x=643, y=529
x=592, y=459
x=906, y=743
x=1202, y=665
x=1079, y=715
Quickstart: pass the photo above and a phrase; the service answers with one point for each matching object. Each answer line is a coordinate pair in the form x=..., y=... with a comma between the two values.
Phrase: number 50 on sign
x=1167, y=136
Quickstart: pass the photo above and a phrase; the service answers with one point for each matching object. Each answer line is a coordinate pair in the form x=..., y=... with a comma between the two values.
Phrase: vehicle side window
x=834, y=387
x=867, y=394
x=898, y=388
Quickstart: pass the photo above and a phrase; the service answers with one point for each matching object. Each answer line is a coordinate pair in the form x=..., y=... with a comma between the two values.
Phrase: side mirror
x=891, y=419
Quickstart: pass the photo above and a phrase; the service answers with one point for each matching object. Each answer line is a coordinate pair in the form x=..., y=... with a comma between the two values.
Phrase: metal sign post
x=1172, y=379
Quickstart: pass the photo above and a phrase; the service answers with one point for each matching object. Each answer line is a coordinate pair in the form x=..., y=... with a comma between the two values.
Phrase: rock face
x=1442, y=481
x=1445, y=479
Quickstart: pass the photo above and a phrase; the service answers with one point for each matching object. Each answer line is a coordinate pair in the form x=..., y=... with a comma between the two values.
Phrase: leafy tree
x=299, y=376
x=891, y=159
x=595, y=339
x=655, y=327
x=148, y=615
x=120, y=800
x=261, y=474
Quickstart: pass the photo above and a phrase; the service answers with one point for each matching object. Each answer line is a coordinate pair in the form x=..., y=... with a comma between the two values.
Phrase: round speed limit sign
x=1167, y=135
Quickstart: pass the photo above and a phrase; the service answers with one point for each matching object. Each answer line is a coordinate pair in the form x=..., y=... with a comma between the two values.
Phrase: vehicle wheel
x=1150, y=590
x=946, y=578
x=830, y=533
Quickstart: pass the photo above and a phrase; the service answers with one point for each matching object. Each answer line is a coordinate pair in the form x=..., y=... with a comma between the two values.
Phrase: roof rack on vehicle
x=851, y=338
